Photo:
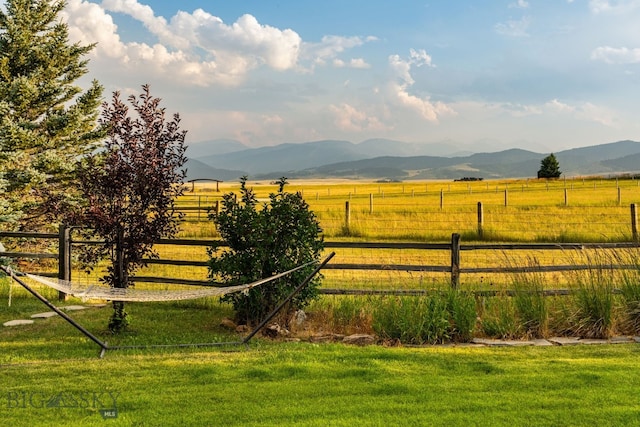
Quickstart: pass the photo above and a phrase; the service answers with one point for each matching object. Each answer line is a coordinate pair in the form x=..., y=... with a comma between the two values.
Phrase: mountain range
x=227, y=160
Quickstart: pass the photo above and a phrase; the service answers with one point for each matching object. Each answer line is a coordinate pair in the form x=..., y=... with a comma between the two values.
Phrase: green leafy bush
x=260, y=241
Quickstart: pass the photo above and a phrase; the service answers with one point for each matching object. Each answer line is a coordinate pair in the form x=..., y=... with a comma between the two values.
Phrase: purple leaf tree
x=131, y=186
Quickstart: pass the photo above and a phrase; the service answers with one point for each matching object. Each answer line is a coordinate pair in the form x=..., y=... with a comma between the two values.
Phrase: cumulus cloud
x=399, y=88
x=620, y=55
x=199, y=48
x=349, y=119
x=353, y=63
x=328, y=49
x=89, y=24
x=513, y=28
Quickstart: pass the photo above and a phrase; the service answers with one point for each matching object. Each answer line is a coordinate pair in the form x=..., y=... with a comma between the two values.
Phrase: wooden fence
x=64, y=243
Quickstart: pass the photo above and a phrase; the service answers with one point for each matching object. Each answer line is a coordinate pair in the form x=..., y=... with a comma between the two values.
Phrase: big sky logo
x=105, y=402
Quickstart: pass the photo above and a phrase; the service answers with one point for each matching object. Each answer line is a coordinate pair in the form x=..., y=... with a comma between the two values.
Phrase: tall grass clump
x=344, y=314
x=593, y=317
x=412, y=320
x=529, y=302
x=463, y=315
x=430, y=319
x=498, y=317
x=630, y=290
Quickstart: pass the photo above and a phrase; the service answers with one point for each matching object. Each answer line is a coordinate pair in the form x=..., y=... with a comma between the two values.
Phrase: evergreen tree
x=46, y=122
x=549, y=167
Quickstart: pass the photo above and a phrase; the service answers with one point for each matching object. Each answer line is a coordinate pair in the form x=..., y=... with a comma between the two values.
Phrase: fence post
x=480, y=221
x=64, y=256
x=441, y=199
x=347, y=215
x=370, y=203
x=619, y=196
x=506, y=197
x=566, y=198
x=634, y=222
x=455, y=260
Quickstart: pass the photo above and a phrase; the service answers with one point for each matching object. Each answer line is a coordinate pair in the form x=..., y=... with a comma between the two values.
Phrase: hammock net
x=105, y=292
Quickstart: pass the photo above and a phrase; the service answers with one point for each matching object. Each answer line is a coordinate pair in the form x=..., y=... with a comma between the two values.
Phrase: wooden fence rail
x=454, y=268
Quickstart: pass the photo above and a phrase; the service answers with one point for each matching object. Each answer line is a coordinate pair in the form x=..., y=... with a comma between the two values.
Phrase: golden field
x=514, y=211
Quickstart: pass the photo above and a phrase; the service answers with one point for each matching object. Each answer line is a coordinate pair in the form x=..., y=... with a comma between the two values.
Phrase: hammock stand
x=104, y=346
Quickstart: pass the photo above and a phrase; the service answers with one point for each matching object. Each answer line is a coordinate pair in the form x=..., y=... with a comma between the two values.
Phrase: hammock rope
x=104, y=292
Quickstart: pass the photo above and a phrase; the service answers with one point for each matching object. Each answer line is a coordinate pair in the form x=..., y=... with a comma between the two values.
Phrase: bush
x=283, y=234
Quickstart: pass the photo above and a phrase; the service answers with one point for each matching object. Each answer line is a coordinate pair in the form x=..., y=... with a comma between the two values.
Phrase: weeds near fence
x=629, y=281
x=429, y=319
x=529, y=302
x=498, y=318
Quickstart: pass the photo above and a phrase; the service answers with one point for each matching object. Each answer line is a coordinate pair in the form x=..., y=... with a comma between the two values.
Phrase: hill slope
x=326, y=159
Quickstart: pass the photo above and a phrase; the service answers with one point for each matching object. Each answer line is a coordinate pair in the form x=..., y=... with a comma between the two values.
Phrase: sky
x=542, y=75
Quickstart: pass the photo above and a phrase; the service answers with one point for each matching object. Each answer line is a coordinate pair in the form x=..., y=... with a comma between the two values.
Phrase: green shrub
x=279, y=236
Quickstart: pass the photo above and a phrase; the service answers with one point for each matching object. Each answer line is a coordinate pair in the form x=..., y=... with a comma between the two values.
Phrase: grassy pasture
x=535, y=209
x=410, y=211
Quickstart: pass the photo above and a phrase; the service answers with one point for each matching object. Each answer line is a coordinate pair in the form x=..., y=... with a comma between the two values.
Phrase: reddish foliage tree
x=130, y=188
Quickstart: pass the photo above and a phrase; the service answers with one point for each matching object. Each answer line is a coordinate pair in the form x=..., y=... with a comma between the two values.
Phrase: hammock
x=104, y=292
x=143, y=295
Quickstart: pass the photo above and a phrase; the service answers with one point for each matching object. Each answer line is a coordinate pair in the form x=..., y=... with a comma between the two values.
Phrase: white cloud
x=582, y=112
x=399, y=91
x=330, y=47
x=520, y=4
x=199, y=48
x=89, y=24
x=349, y=119
x=560, y=107
x=513, y=28
x=521, y=110
x=353, y=63
x=402, y=67
x=613, y=6
x=620, y=55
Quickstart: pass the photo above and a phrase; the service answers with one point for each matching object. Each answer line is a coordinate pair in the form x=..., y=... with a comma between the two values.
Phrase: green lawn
x=332, y=384
x=279, y=383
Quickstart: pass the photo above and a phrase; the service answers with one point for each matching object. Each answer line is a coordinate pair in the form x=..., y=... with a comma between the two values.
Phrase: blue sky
x=541, y=75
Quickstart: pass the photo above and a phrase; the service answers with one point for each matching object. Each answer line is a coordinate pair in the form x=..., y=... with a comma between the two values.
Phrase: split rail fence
x=62, y=254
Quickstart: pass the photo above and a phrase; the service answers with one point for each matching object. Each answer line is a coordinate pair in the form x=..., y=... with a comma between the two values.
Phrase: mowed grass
x=296, y=383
